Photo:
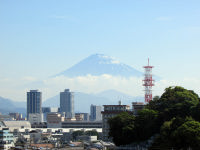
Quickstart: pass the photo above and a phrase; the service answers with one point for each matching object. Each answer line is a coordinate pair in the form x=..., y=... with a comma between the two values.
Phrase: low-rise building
x=39, y=125
x=6, y=139
x=86, y=138
x=82, y=124
x=5, y=117
x=79, y=116
x=16, y=116
x=35, y=136
x=17, y=124
x=109, y=112
x=54, y=120
x=35, y=118
x=137, y=106
x=86, y=116
x=46, y=110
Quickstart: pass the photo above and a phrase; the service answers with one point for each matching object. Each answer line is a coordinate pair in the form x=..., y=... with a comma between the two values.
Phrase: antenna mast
x=148, y=82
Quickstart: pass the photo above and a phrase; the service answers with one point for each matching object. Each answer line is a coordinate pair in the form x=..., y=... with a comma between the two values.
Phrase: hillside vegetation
x=173, y=118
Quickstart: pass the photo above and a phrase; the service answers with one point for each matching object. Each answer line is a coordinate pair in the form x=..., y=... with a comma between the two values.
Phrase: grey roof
x=18, y=124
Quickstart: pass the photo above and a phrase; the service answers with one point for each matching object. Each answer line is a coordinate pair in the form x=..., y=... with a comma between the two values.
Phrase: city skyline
x=41, y=39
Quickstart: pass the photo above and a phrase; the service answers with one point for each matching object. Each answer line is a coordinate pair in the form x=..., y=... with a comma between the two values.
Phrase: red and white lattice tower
x=148, y=82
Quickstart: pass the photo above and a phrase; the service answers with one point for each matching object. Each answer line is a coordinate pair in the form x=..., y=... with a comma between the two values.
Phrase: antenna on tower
x=148, y=82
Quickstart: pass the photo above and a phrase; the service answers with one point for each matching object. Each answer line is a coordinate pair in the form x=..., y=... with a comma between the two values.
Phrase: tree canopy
x=175, y=101
x=122, y=128
x=174, y=117
x=145, y=124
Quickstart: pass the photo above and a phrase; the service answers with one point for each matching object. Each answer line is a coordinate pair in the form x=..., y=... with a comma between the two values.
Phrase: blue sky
x=42, y=38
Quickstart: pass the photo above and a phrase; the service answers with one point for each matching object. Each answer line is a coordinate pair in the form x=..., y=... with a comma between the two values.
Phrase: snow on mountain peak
x=104, y=59
x=99, y=64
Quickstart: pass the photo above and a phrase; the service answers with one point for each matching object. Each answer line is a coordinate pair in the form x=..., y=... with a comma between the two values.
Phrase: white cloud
x=92, y=84
x=16, y=88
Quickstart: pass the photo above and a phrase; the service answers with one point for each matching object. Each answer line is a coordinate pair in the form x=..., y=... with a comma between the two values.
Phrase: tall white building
x=95, y=113
x=67, y=104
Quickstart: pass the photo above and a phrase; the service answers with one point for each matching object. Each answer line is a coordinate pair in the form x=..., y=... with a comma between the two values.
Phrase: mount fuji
x=99, y=64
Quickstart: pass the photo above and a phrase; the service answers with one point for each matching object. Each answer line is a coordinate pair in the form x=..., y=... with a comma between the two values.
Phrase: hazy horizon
x=40, y=39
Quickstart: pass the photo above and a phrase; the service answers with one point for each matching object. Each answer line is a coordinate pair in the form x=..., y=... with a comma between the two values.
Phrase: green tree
x=187, y=135
x=155, y=98
x=77, y=133
x=179, y=133
x=122, y=128
x=169, y=115
x=196, y=112
x=175, y=101
x=92, y=133
x=167, y=130
x=146, y=124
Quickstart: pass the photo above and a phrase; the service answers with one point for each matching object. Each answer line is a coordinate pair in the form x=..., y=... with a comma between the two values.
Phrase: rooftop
x=19, y=124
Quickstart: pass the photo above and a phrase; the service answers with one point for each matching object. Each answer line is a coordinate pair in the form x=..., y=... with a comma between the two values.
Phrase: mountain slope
x=7, y=106
x=115, y=95
x=99, y=64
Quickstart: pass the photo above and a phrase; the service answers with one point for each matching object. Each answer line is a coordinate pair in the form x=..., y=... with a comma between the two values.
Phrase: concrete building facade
x=54, y=120
x=46, y=110
x=86, y=116
x=34, y=102
x=79, y=117
x=16, y=116
x=95, y=113
x=35, y=118
x=82, y=124
x=67, y=104
x=6, y=139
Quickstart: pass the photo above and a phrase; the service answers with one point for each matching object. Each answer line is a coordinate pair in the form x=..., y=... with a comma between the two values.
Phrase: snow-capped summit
x=99, y=64
x=103, y=59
